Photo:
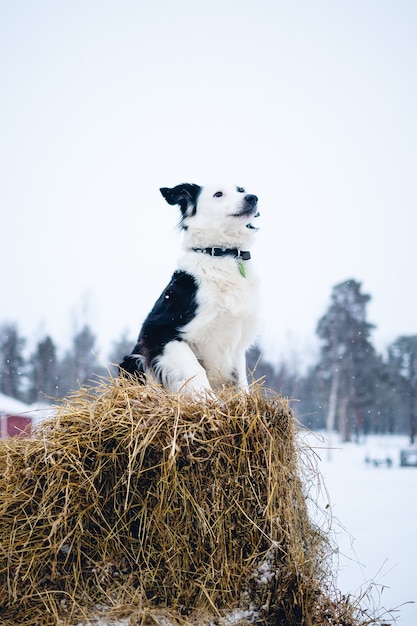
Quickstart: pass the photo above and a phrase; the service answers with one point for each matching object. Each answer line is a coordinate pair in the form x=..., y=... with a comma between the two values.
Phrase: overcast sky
x=309, y=104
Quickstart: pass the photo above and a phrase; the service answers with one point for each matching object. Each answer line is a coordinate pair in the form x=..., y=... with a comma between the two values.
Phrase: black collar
x=237, y=253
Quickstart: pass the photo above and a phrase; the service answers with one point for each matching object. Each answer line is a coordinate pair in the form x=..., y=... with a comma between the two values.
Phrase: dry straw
x=132, y=502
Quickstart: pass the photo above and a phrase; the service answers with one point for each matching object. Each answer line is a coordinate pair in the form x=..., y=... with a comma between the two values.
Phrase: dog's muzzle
x=248, y=207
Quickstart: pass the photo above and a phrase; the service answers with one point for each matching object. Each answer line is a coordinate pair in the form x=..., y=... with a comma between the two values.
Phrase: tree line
x=43, y=375
x=351, y=388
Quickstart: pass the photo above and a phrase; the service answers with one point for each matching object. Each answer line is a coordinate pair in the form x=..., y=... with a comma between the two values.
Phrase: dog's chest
x=227, y=300
x=229, y=294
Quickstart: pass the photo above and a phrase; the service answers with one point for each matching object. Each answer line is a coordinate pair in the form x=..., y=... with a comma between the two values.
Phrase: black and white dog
x=199, y=329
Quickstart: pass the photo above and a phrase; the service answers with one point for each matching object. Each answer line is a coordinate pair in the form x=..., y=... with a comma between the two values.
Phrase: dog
x=196, y=336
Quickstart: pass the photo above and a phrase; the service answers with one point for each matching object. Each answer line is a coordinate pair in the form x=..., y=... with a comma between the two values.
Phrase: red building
x=15, y=418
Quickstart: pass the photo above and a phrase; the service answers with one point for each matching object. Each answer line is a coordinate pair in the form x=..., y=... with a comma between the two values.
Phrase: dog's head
x=215, y=215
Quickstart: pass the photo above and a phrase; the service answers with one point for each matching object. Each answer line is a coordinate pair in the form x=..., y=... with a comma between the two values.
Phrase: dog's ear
x=184, y=195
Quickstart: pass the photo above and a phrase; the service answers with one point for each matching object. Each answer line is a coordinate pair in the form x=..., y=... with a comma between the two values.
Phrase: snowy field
x=374, y=520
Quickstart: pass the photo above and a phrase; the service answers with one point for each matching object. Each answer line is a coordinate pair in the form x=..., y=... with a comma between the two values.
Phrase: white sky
x=309, y=104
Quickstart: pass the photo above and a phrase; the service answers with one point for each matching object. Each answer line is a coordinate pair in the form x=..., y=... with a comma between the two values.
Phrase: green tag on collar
x=242, y=269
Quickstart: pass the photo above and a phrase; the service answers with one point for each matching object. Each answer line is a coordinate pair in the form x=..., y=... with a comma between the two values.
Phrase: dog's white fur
x=226, y=320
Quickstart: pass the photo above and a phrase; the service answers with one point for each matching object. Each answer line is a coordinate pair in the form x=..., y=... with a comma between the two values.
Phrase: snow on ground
x=374, y=518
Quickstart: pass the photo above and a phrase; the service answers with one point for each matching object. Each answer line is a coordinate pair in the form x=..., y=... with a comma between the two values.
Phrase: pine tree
x=402, y=357
x=12, y=361
x=348, y=361
x=43, y=371
x=80, y=363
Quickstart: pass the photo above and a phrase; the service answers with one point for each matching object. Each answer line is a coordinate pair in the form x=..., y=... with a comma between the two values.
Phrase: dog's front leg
x=240, y=371
x=179, y=369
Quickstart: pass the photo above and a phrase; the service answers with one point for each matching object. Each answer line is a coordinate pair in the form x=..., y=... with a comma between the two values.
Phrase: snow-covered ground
x=374, y=511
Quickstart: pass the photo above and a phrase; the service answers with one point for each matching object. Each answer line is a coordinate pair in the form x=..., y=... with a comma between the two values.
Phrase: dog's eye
x=240, y=190
x=218, y=194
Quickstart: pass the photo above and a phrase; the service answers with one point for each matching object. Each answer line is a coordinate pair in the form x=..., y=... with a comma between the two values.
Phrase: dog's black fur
x=175, y=307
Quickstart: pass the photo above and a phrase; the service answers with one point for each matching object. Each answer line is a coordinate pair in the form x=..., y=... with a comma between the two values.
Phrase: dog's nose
x=251, y=199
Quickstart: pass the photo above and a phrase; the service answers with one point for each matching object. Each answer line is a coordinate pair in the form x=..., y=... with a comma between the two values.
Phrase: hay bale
x=135, y=502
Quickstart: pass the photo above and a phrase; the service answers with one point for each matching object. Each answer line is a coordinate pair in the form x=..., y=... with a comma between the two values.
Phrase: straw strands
x=133, y=502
